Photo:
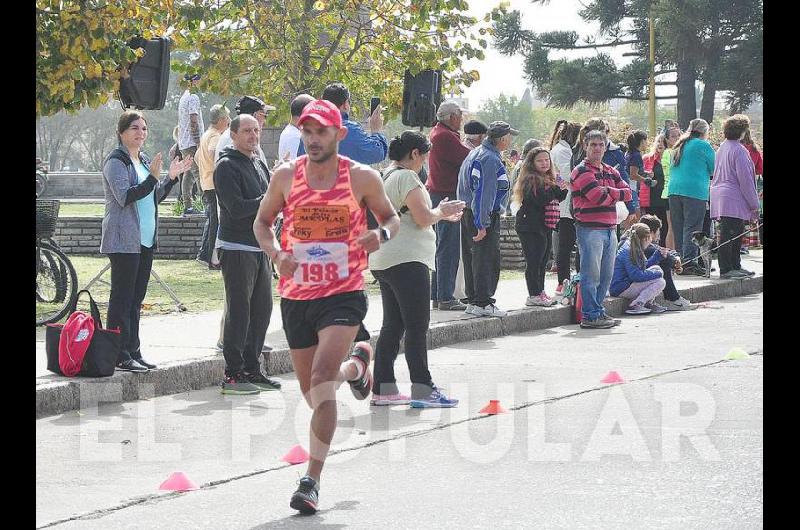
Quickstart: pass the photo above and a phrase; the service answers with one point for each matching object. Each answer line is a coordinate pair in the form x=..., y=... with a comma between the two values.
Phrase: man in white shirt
x=289, y=142
x=246, y=105
x=190, y=127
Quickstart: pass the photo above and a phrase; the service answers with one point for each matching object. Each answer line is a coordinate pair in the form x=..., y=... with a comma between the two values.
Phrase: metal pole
x=652, y=96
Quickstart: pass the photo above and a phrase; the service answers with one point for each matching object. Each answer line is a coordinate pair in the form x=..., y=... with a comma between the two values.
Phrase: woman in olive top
x=690, y=178
x=402, y=267
x=130, y=229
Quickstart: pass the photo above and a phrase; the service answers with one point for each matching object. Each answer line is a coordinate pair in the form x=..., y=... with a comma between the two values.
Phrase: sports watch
x=385, y=234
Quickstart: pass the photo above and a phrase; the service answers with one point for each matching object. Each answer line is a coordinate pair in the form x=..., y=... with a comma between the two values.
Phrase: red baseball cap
x=323, y=111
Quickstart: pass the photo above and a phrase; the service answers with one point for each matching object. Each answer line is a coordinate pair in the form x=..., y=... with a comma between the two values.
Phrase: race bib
x=320, y=262
x=321, y=222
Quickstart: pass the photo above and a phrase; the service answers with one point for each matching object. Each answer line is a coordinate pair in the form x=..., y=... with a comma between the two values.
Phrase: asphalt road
x=678, y=445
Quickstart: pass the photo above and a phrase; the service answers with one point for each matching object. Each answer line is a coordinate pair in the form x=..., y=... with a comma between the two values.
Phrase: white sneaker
x=470, y=310
x=681, y=304
x=490, y=310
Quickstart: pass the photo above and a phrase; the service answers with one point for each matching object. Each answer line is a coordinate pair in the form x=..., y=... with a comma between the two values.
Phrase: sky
x=500, y=73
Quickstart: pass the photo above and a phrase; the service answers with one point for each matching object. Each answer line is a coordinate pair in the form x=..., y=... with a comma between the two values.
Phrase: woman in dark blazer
x=130, y=229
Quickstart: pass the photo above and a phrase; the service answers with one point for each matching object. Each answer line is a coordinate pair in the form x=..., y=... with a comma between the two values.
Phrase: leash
x=759, y=225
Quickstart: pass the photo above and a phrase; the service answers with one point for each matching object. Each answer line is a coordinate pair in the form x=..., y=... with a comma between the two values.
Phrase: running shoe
x=238, y=384
x=681, y=304
x=361, y=387
x=655, y=308
x=263, y=382
x=615, y=321
x=637, y=308
x=306, y=498
x=490, y=310
x=599, y=323
x=747, y=272
x=389, y=399
x=437, y=400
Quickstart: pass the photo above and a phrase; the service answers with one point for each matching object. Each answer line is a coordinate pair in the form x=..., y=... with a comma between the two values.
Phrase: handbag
x=82, y=346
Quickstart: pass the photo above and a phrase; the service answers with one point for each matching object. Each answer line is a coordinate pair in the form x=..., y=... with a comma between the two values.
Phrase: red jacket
x=447, y=154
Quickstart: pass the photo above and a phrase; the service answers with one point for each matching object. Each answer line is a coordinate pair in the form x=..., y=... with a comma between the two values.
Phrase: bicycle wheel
x=55, y=291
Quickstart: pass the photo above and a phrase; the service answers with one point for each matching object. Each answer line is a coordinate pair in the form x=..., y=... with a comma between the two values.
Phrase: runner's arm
x=374, y=197
x=271, y=205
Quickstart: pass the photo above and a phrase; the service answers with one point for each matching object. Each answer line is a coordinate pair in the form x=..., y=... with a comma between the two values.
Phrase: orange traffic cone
x=612, y=377
x=178, y=481
x=493, y=407
x=296, y=455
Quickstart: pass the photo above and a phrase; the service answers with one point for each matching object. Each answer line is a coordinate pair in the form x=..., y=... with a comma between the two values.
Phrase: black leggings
x=566, y=242
x=130, y=274
x=405, y=291
x=536, y=247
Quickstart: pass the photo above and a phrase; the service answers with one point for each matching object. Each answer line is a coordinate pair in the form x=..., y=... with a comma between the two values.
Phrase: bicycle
x=56, y=279
x=41, y=177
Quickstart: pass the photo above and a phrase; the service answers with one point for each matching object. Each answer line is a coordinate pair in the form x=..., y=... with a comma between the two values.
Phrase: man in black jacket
x=241, y=180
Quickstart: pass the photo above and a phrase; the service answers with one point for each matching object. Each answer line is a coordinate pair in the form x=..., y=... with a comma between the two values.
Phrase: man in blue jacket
x=483, y=185
x=615, y=158
x=357, y=145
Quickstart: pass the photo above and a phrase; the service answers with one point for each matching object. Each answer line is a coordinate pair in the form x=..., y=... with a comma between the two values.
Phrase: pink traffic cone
x=296, y=455
x=493, y=407
x=612, y=377
x=178, y=481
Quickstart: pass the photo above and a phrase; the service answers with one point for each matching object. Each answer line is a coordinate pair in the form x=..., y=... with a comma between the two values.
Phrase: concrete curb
x=173, y=378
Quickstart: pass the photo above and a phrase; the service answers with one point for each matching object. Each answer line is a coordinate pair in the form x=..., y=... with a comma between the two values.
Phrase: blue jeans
x=598, y=249
x=687, y=216
x=448, y=237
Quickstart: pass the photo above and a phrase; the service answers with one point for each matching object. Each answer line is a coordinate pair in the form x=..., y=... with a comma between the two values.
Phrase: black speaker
x=146, y=88
x=422, y=95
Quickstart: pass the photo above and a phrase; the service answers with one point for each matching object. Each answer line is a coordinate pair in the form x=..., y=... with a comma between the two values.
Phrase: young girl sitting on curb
x=635, y=277
x=537, y=193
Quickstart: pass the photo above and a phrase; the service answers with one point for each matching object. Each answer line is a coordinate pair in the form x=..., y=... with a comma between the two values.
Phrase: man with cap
x=190, y=127
x=289, y=141
x=321, y=258
x=357, y=144
x=483, y=185
x=257, y=109
x=474, y=133
x=446, y=155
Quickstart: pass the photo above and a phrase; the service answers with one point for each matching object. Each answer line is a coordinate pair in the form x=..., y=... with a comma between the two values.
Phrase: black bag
x=101, y=357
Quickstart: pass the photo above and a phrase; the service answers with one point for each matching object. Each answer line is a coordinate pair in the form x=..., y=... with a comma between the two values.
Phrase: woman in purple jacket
x=734, y=199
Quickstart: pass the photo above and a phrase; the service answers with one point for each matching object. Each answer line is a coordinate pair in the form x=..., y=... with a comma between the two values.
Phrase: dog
x=707, y=246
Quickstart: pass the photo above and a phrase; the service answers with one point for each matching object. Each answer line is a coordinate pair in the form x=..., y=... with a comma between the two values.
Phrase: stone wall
x=510, y=248
x=178, y=237
x=181, y=238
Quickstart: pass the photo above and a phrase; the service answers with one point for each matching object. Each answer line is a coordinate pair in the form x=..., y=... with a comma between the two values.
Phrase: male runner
x=321, y=259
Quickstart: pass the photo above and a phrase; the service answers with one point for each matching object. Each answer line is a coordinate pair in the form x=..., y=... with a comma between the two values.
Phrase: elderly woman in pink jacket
x=734, y=200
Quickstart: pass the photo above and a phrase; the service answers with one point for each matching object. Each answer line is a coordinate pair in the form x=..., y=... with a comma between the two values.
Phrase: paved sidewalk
x=184, y=343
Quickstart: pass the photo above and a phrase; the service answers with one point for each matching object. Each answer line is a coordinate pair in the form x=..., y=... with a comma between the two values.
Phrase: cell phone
x=374, y=103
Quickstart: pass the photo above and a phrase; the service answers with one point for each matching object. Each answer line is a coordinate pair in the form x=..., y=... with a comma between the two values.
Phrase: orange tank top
x=320, y=228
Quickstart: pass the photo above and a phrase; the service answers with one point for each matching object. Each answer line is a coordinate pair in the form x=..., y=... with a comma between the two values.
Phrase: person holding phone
x=358, y=145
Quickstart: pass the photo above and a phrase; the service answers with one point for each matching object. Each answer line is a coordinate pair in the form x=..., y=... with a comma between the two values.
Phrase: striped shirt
x=595, y=193
x=320, y=228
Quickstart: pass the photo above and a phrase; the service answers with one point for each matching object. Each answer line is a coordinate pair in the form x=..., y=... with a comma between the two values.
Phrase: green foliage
x=82, y=50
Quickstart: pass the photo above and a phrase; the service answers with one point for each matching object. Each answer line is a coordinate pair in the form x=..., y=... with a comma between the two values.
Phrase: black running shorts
x=302, y=319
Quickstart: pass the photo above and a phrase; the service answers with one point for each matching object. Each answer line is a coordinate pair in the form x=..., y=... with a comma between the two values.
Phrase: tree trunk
x=711, y=80
x=687, y=104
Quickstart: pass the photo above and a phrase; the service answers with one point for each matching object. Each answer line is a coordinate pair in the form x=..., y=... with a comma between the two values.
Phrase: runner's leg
x=328, y=371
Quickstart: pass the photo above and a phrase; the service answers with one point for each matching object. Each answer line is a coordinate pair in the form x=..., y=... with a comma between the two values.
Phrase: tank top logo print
x=320, y=229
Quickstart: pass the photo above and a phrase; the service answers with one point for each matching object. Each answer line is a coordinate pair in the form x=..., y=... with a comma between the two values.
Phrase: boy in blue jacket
x=636, y=277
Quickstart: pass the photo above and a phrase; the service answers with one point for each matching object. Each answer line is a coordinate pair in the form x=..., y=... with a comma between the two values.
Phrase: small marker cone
x=493, y=407
x=296, y=455
x=736, y=354
x=178, y=481
x=612, y=377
